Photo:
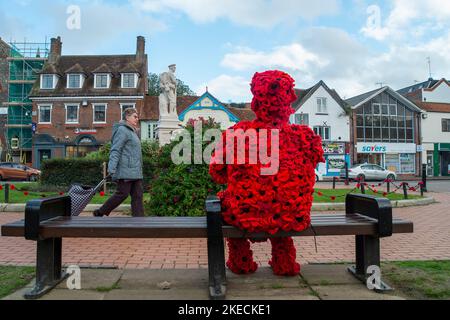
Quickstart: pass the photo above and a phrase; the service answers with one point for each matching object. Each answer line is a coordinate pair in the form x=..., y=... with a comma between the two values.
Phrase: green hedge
x=64, y=172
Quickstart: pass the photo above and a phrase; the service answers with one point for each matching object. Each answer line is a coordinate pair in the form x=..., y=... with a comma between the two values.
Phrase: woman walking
x=125, y=166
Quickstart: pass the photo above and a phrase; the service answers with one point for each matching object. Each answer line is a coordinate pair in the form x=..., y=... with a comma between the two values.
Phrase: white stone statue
x=168, y=96
x=169, y=123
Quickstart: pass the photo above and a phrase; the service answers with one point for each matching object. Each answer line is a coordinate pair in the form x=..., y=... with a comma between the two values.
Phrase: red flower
x=385, y=194
x=1, y=187
x=61, y=193
x=102, y=193
x=333, y=198
x=280, y=201
x=12, y=187
x=25, y=193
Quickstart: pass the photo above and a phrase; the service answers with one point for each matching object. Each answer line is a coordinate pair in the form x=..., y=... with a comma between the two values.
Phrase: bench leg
x=48, y=267
x=367, y=254
x=216, y=257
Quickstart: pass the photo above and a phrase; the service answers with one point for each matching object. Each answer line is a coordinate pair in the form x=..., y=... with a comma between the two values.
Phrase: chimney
x=140, y=48
x=55, y=50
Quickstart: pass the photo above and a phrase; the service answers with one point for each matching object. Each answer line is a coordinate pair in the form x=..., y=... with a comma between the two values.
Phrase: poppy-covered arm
x=315, y=150
x=217, y=167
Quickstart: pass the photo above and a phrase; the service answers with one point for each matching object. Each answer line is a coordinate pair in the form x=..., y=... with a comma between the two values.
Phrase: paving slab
x=352, y=292
x=66, y=294
x=326, y=274
x=148, y=279
x=96, y=278
x=174, y=293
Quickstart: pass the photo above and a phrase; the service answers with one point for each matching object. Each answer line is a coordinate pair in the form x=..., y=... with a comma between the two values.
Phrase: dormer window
x=48, y=81
x=102, y=80
x=129, y=80
x=75, y=81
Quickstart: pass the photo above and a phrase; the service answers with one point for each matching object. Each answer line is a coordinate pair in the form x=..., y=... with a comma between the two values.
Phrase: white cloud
x=292, y=58
x=226, y=87
x=257, y=13
x=350, y=68
x=408, y=18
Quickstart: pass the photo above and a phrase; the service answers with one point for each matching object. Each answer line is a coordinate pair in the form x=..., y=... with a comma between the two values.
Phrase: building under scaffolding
x=25, y=62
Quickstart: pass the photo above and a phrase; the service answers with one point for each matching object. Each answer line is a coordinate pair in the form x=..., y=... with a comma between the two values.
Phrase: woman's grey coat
x=125, y=159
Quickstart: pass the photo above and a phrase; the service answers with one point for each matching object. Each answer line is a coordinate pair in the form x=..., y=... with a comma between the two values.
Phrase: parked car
x=368, y=171
x=319, y=176
x=17, y=171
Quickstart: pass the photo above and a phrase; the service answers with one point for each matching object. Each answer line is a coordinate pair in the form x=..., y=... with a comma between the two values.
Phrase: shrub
x=179, y=190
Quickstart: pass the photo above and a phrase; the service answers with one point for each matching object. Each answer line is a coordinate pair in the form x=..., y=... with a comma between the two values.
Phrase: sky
x=353, y=45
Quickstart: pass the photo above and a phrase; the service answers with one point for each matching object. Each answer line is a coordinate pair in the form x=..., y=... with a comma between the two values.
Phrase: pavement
x=316, y=282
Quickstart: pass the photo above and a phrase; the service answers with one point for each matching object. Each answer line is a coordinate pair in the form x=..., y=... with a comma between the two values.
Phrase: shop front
x=336, y=155
x=397, y=157
x=441, y=159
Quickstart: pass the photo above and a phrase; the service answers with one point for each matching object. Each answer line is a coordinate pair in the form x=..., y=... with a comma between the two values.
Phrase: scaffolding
x=26, y=60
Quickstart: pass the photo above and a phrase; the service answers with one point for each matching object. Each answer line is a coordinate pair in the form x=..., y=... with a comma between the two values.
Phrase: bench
x=47, y=221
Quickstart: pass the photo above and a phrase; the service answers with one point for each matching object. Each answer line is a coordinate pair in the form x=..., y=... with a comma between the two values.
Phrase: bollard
x=334, y=183
x=346, y=174
x=421, y=190
x=405, y=190
x=424, y=178
x=363, y=190
x=388, y=186
x=6, y=186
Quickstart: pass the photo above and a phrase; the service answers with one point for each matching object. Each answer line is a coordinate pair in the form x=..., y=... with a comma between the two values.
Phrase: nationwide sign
x=85, y=131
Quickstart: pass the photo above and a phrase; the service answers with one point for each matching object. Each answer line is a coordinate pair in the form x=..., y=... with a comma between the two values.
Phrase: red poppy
x=333, y=198
x=12, y=187
x=25, y=193
x=102, y=193
x=1, y=187
x=385, y=194
x=61, y=193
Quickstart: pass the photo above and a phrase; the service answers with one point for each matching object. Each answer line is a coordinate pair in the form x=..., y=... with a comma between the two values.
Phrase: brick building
x=77, y=100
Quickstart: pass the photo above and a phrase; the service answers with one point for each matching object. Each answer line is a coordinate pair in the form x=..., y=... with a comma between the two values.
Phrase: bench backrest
x=379, y=209
x=38, y=210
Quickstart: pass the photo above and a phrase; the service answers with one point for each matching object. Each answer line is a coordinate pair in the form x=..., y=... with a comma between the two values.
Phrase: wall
x=59, y=129
x=340, y=125
x=440, y=94
x=218, y=115
x=432, y=128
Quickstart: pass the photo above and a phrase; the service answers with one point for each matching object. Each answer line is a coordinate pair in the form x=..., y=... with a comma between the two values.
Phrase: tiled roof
x=418, y=86
x=434, y=107
x=76, y=68
x=113, y=64
x=150, y=112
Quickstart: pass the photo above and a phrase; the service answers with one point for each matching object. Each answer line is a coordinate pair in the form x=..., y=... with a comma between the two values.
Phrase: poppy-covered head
x=273, y=94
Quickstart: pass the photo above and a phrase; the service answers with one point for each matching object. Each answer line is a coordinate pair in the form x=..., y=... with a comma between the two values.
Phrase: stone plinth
x=167, y=127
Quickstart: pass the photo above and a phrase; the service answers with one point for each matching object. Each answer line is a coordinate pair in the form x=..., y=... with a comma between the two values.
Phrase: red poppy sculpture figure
x=280, y=201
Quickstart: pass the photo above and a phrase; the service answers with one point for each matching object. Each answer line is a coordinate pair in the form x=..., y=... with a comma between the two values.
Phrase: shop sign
x=85, y=131
x=333, y=148
x=386, y=148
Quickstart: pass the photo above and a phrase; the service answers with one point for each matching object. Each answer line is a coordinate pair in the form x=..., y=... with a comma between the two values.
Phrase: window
x=445, y=125
x=99, y=113
x=74, y=81
x=125, y=106
x=301, y=118
x=129, y=80
x=72, y=113
x=152, y=130
x=323, y=132
x=321, y=105
x=101, y=81
x=45, y=114
x=407, y=163
x=48, y=81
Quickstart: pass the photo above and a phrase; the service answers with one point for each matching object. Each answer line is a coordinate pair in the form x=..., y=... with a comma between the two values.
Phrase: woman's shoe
x=97, y=213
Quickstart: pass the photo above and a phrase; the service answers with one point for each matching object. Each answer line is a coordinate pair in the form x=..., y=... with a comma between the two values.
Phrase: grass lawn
x=419, y=279
x=18, y=196
x=14, y=278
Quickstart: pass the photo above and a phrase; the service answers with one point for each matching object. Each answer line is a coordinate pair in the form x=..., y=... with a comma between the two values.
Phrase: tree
x=153, y=86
